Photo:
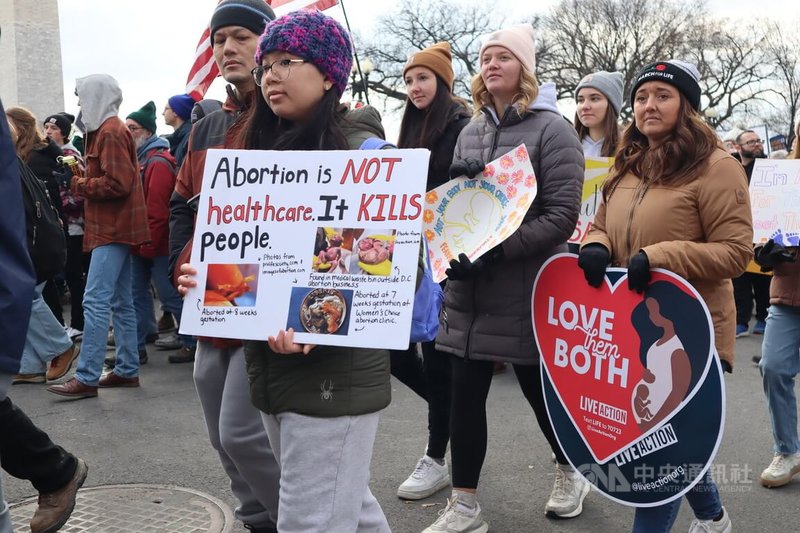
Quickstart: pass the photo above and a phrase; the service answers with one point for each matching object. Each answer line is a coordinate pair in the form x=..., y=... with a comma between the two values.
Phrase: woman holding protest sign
x=599, y=99
x=675, y=200
x=432, y=119
x=319, y=404
x=488, y=300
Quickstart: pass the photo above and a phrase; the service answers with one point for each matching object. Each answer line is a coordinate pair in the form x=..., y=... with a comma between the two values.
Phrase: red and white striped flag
x=204, y=70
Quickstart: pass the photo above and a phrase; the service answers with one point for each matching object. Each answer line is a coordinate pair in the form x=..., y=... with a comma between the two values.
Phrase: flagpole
x=355, y=53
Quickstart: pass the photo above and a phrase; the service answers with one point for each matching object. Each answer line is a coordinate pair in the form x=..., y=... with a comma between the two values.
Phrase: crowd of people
x=675, y=199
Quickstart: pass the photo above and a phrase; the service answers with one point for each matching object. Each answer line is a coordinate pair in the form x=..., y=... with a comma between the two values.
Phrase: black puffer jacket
x=43, y=162
x=442, y=150
x=489, y=317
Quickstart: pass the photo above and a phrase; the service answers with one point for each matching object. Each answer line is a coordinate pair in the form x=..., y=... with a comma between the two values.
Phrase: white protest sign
x=775, y=201
x=326, y=243
x=472, y=216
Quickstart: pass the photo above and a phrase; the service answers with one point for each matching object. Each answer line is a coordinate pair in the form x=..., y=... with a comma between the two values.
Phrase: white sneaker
x=428, y=477
x=569, y=490
x=723, y=525
x=781, y=470
x=73, y=334
x=452, y=519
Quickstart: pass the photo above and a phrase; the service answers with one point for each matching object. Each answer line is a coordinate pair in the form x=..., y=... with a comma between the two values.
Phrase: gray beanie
x=608, y=83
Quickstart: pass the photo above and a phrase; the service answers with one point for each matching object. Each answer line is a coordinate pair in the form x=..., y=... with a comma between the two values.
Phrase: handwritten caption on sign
x=775, y=201
x=307, y=240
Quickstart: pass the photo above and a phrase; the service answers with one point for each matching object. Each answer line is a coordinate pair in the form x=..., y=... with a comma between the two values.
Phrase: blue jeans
x=5, y=516
x=108, y=287
x=156, y=269
x=703, y=497
x=780, y=363
x=46, y=338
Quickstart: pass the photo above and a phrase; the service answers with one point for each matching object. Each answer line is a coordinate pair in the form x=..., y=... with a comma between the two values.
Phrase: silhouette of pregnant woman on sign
x=669, y=373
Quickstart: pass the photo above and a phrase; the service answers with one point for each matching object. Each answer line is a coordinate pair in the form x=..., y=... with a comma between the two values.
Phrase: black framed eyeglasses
x=754, y=142
x=280, y=69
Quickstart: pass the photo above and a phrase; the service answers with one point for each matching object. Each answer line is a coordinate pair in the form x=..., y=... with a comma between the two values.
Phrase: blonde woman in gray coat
x=488, y=301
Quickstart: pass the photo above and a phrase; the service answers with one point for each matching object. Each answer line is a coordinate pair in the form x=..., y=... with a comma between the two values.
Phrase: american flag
x=204, y=70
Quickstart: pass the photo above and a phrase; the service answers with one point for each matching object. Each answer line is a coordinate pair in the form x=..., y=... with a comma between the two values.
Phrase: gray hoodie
x=99, y=98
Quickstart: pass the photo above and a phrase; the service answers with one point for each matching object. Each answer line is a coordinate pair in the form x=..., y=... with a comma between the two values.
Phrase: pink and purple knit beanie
x=314, y=37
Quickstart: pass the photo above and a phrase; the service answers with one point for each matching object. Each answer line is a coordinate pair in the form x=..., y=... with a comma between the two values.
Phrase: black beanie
x=680, y=74
x=63, y=121
x=250, y=14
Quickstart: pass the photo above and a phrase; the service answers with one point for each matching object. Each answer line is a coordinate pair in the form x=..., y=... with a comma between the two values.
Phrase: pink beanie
x=519, y=39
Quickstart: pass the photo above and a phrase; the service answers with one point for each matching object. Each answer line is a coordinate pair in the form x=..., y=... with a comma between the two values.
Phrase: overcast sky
x=148, y=45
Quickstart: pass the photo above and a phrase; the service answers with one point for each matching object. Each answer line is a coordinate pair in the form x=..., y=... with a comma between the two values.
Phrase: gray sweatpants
x=325, y=473
x=237, y=433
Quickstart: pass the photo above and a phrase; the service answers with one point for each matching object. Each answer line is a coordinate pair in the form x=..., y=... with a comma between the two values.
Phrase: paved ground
x=155, y=435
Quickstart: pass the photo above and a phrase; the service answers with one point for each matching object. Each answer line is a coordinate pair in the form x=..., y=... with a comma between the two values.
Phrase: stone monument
x=30, y=56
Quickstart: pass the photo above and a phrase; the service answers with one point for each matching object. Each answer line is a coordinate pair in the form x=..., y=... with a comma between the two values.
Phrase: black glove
x=468, y=167
x=593, y=259
x=466, y=269
x=772, y=253
x=639, y=273
x=64, y=176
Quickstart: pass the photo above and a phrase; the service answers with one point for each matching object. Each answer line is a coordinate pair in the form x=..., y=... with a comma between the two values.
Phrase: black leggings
x=468, y=433
x=430, y=379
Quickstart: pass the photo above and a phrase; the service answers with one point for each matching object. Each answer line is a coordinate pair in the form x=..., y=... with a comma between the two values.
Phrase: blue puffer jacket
x=16, y=270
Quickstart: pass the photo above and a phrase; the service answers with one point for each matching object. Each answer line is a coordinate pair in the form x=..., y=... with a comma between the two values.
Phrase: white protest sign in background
x=326, y=243
x=472, y=216
x=775, y=200
x=595, y=173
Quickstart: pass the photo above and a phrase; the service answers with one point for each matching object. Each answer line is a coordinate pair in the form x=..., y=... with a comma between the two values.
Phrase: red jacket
x=114, y=207
x=158, y=182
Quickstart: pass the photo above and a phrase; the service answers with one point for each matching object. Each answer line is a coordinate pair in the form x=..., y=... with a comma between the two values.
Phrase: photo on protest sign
x=231, y=285
x=472, y=216
x=632, y=385
x=321, y=311
x=775, y=201
x=596, y=172
x=324, y=242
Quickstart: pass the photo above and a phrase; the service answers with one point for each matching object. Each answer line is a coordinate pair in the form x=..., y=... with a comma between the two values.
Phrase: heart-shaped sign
x=621, y=363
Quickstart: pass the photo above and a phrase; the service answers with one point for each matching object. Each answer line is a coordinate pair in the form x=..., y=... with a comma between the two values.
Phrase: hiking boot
x=456, y=519
x=61, y=364
x=55, y=508
x=20, y=379
x=781, y=470
x=166, y=323
x=169, y=342
x=723, y=525
x=428, y=477
x=184, y=355
x=569, y=490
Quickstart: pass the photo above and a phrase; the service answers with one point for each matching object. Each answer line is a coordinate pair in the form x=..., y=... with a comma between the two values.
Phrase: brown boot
x=73, y=389
x=113, y=380
x=61, y=364
x=55, y=508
